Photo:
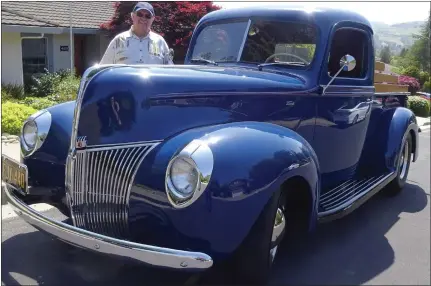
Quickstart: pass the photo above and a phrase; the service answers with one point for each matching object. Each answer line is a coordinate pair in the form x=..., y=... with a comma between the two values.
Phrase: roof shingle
x=85, y=14
x=14, y=19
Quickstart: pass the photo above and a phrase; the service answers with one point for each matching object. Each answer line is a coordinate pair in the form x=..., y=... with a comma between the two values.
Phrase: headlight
x=29, y=133
x=34, y=132
x=184, y=176
x=188, y=174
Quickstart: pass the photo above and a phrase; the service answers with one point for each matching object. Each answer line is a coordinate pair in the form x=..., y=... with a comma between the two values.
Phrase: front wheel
x=254, y=259
x=403, y=167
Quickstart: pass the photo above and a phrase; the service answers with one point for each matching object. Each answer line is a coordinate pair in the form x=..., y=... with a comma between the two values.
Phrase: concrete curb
x=7, y=211
x=9, y=139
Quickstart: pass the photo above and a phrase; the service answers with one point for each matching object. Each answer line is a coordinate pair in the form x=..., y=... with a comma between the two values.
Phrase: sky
x=386, y=12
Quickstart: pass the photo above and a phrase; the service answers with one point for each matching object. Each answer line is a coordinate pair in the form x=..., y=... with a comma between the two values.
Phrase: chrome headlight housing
x=189, y=173
x=34, y=132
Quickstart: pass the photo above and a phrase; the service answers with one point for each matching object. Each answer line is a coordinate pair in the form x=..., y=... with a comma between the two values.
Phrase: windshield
x=266, y=42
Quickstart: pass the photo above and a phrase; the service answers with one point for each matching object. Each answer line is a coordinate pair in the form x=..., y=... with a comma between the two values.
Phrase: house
x=36, y=35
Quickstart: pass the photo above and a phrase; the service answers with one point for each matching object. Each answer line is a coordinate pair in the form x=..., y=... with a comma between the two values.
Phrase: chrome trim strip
x=337, y=90
x=355, y=198
x=152, y=255
x=244, y=38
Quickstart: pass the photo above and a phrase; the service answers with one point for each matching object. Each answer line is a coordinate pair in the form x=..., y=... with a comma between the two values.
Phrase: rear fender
x=393, y=125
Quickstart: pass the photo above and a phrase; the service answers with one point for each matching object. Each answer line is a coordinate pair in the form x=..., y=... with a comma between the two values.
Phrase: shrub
x=427, y=87
x=419, y=106
x=38, y=103
x=423, y=77
x=13, y=116
x=66, y=90
x=12, y=90
x=47, y=83
x=5, y=96
x=411, y=71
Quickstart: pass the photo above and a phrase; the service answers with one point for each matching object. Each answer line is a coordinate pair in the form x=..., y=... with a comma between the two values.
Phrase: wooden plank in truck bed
x=385, y=78
x=379, y=66
x=381, y=87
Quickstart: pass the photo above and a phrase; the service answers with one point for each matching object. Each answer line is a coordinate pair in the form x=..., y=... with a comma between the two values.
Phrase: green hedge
x=41, y=92
x=38, y=103
x=13, y=116
x=419, y=106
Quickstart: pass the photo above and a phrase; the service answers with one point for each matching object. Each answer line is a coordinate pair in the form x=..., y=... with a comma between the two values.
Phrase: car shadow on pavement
x=351, y=250
x=36, y=258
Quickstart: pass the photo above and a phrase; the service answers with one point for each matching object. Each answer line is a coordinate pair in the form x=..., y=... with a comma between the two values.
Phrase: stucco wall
x=11, y=55
x=61, y=59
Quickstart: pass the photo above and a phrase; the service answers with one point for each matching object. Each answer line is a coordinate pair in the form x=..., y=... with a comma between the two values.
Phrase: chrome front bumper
x=152, y=255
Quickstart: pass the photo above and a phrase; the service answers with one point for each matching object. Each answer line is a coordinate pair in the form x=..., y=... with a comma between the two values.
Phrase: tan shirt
x=127, y=48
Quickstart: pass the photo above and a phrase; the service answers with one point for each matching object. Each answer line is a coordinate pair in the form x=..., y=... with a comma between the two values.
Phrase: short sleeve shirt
x=127, y=48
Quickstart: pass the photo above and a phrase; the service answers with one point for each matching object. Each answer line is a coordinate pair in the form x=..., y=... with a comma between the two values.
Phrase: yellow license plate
x=14, y=174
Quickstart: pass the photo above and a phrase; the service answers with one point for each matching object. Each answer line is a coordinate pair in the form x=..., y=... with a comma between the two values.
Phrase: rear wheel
x=403, y=167
x=254, y=259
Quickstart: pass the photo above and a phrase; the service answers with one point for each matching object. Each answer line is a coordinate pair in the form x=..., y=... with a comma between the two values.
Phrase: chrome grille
x=100, y=187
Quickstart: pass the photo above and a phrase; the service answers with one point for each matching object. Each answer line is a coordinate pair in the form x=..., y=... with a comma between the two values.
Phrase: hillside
x=397, y=36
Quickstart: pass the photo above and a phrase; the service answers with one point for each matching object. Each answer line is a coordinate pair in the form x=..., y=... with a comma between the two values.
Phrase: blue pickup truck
x=271, y=126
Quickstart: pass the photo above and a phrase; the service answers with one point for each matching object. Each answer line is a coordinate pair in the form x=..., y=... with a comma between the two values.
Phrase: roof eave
x=46, y=29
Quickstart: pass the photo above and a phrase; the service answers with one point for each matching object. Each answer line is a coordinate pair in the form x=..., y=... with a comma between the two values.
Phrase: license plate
x=14, y=174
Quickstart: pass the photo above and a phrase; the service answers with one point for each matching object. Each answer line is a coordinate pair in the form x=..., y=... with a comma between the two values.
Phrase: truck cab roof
x=320, y=16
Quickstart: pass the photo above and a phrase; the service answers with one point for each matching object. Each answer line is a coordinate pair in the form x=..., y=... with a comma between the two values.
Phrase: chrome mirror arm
x=346, y=61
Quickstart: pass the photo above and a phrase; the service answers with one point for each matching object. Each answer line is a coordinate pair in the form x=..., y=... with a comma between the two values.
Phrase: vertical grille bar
x=101, y=183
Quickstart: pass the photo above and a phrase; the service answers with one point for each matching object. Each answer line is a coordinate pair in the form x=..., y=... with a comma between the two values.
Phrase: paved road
x=386, y=241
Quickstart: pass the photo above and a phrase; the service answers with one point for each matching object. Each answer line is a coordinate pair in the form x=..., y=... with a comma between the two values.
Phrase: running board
x=345, y=198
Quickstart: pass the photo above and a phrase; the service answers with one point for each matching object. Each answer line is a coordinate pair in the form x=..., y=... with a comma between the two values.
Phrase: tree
x=175, y=21
x=421, y=47
x=385, y=55
x=403, y=52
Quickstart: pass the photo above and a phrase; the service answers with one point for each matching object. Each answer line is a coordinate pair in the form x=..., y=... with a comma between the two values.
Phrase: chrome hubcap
x=404, y=160
x=279, y=225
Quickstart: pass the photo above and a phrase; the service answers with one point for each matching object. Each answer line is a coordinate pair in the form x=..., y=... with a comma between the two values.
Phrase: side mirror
x=347, y=63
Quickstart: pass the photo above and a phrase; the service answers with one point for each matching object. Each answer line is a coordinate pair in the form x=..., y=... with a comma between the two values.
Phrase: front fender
x=46, y=166
x=251, y=161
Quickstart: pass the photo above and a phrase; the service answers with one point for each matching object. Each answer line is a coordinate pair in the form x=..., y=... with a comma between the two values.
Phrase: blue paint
x=46, y=166
x=257, y=124
x=241, y=184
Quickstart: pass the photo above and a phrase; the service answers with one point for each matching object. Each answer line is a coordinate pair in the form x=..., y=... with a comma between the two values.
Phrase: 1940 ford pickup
x=272, y=125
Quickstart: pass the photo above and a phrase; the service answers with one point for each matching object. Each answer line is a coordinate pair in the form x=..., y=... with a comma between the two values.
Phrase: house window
x=34, y=56
x=353, y=42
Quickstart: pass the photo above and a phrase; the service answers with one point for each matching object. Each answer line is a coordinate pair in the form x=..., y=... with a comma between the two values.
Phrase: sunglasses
x=142, y=15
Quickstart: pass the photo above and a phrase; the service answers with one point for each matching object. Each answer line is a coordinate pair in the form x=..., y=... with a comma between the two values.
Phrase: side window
x=353, y=42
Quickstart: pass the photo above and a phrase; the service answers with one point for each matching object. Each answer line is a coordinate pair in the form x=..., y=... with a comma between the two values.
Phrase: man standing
x=138, y=45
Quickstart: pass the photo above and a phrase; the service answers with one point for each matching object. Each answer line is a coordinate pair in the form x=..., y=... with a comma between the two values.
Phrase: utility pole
x=71, y=38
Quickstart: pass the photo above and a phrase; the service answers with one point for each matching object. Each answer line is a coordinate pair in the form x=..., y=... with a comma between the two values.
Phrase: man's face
x=142, y=19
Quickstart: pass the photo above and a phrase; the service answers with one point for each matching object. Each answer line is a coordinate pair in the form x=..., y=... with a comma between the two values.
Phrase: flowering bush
x=413, y=83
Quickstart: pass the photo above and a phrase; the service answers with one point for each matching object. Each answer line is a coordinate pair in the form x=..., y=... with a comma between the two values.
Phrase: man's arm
x=167, y=60
x=109, y=56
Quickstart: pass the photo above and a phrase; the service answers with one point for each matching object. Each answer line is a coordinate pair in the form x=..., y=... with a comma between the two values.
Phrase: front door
x=343, y=112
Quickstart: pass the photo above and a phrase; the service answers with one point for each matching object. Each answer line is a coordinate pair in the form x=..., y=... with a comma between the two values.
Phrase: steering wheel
x=288, y=54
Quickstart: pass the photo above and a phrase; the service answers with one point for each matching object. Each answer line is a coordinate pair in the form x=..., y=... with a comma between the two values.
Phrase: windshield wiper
x=201, y=60
x=260, y=66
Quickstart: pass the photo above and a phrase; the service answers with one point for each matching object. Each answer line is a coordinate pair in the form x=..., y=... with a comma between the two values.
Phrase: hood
x=145, y=103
